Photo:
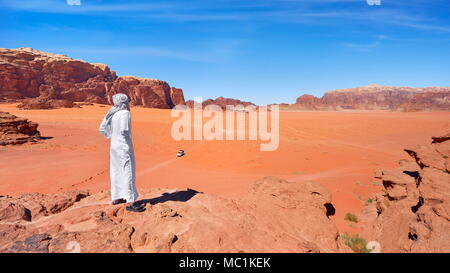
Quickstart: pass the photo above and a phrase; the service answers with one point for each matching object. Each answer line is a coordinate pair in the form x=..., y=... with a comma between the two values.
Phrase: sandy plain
x=340, y=150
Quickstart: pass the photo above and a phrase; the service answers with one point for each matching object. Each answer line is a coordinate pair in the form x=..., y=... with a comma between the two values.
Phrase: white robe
x=122, y=166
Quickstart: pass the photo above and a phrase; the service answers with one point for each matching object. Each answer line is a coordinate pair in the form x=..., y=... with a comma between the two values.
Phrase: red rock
x=43, y=80
x=435, y=188
x=41, y=205
x=176, y=94
x=15, y=130
x=36, y=243
x=415, y=217
x=114, y=237
x=428, y=156
x=10, y=233
x=156, y=244
x=145, y=92
x=408, y=165
x=431, y=100
x=440, y=139
x=29, y=73
x=275, y=216
x=376, y=97
x=42, y=103
x=222, y=102
x=10, y=211
x=309, y=102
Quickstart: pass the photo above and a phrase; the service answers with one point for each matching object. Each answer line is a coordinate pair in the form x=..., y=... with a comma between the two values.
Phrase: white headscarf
x=120, y=102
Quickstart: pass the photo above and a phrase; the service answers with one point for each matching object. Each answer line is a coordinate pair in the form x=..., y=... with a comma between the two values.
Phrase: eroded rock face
x=15, y=130
x=28, y=73
x=40, y=205
x=176, y=94
x=221, y=102
x=275, y=216
x=45, y=103
x=432, y=100
x=376, y=97
x=43, y=80
x=10, y=211
x=145, y=92
x=413, y=214
x=309, y=102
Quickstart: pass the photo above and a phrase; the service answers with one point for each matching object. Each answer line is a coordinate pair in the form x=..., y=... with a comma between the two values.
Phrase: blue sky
x=264, y=51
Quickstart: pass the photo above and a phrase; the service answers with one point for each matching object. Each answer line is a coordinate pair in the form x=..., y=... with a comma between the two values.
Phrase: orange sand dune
x=340, y=150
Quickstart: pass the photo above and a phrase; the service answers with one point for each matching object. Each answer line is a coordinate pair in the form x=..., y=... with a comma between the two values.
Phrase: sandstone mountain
x=274, y=216
x=375, y=97
x=413, y=214
x=43, y=80
x=15, y=130
x=221, y=101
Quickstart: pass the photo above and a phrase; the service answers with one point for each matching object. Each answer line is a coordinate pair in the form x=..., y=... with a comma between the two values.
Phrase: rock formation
x=275, y=216
x=432, y=100
x=15, y=130
x=375, y=97
x=145, y=92
x=222, y=102
x=413, y=214
x=176, y=94
x=43, y=81
x=308, y=102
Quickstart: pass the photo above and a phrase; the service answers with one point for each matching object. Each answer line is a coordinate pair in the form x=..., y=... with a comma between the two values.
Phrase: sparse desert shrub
x=356, y=243
x=351, y=217
x=375, y=183
x=369, y=200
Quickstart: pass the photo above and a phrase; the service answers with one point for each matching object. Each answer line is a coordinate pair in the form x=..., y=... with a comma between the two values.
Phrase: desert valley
x=353, y=166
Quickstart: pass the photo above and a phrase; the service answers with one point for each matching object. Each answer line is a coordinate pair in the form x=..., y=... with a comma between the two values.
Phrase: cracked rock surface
x=413, y=213
x=274, y=216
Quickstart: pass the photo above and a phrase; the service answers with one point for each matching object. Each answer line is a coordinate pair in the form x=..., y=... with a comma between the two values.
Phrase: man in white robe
x=117, y=126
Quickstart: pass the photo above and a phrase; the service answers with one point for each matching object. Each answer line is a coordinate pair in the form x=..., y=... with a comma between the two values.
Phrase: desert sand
x=340, y=150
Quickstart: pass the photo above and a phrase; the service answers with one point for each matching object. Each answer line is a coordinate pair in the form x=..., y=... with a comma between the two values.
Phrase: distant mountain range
x=376, y=97
x=41, y=80
x=221, y=101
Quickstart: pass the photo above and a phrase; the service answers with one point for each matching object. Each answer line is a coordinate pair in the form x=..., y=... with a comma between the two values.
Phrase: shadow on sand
x=179, y=196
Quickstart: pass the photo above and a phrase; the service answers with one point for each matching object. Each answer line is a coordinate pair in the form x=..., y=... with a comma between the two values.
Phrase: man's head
x=121, y=101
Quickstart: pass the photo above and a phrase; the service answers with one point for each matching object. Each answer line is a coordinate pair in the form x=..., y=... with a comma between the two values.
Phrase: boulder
x=15, y=130
x=10, y=211
x=39, y=205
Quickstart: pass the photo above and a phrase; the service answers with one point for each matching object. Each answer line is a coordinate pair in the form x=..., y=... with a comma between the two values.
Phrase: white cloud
x=364, y=47
x=213, y=52
x=291, y=11
x=73, y=2
x=54, y=6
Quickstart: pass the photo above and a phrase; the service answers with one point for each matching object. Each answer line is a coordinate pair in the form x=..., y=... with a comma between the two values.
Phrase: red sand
x=341, y=150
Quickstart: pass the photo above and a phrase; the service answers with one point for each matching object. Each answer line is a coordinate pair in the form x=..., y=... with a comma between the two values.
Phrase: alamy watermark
x=374, y=247
x=73, y=247
x=235, y=123
x=73, y=2
x=373, y=2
